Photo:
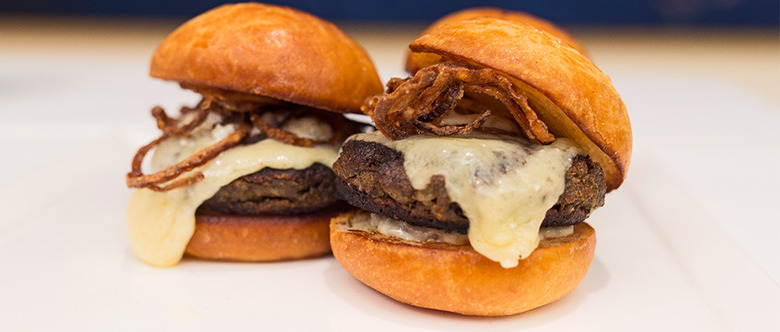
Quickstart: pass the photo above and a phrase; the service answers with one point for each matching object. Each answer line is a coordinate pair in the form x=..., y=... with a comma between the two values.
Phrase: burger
x=486, y=162
x=246, y=173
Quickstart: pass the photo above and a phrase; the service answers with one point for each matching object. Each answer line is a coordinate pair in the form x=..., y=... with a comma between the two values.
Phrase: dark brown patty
x=372, y=176
x=275, y=191
x=584, y=192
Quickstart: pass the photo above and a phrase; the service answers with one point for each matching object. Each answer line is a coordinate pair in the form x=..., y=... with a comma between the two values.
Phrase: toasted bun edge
x=257, y=238
x=414, y=59
x=458, y=279
x=272, y=51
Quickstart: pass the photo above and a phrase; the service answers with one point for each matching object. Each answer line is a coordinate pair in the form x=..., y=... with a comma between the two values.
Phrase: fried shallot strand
x=136, y=178
x=170, y=177
x=275, y=131
x=168, y=125
x=170, y=128
x=417, y=105
x=518, y=106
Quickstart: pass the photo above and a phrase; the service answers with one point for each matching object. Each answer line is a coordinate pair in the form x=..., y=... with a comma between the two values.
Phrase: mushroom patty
x=371, y=176
x=275, y=191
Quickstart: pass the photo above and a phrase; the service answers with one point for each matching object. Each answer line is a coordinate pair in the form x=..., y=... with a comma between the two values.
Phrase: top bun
x=413, y=59
x=270, y=51
x=568, y=92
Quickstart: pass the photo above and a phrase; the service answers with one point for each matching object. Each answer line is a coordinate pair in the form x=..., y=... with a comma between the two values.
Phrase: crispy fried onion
x=192, y=118
x=273, y=126
x=418, y=104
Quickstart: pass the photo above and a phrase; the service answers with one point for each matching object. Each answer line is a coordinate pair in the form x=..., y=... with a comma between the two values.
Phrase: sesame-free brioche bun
x=258, y=238
x=566, y=90
x=456, y=278
x=270, y=51
x=414, y=59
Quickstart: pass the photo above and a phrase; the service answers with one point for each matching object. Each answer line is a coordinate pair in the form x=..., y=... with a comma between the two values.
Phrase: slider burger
x=246, y=173
x=417, y=58
x=485, y=164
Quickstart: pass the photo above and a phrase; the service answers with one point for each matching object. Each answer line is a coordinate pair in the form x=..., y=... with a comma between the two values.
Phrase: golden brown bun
x=569, y=93
x=271, y=51
x=263, y=237
x=413, y=59
x=457, y=278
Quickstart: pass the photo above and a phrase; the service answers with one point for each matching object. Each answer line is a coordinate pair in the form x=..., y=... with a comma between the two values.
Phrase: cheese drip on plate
x=160, y=224
x=503, y=185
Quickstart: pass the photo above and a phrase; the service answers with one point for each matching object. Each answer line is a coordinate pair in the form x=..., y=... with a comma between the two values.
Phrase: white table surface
x=690, y=241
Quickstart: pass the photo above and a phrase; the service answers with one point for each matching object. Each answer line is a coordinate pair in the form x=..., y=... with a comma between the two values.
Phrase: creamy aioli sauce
x=503, y=185
x=160, y=224
x=402, y=230
x=405, y=231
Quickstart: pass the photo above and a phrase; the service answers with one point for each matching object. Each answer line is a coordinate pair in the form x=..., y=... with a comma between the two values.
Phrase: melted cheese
x=160, y=224
x=503, y=185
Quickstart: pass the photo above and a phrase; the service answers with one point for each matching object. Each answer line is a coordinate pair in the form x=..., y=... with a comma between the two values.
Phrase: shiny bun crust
x=458, y=279
x=261, y=238
x=413, y=59
x=568, y=92
x=271, y=51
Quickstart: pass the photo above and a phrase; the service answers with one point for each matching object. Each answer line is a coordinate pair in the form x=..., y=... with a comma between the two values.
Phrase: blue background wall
x=709, y=12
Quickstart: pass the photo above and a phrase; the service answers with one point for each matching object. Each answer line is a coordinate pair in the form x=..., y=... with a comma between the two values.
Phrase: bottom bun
x=262, y=237
x=456, y=278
